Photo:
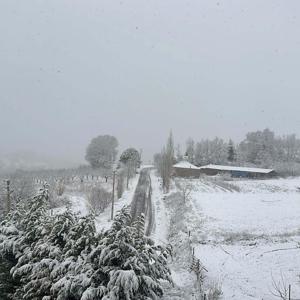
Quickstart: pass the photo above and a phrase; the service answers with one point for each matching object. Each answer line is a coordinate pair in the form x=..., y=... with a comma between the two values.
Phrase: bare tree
x=179, y=156
x=190, y=150
x=185, y=187
x=280, y=289
x=164, y=162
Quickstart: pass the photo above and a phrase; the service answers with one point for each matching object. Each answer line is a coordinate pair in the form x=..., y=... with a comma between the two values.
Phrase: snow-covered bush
x=129, y=265
x=98, y=199
x=62, y=257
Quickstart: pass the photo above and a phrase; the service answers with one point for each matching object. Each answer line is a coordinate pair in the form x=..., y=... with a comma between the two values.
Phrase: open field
x=249, y=238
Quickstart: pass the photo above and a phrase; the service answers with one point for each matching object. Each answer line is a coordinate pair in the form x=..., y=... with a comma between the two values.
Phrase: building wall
x=210, y=172
x=186, y=172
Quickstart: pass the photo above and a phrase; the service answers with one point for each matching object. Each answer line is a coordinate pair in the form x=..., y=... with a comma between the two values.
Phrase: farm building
x=243, y=172
x=186, y=169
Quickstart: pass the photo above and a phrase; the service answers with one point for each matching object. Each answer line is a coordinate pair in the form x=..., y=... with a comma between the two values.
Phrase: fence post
x=290, y=292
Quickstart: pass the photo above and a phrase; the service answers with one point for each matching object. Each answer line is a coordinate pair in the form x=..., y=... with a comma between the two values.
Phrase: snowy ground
x=245, y=232
x=171, y=227
x=160, y=230
x=249, y=237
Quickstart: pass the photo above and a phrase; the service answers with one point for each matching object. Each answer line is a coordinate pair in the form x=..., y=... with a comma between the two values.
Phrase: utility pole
x=8, y=199
x=128, y=174
x=113, y=196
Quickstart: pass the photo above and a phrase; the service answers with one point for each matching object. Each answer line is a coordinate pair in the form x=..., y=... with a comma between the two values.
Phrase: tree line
x=262, y=148
x=258, y=148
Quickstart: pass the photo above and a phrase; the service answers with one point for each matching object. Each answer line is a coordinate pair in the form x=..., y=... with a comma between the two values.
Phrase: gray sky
x=71, y=70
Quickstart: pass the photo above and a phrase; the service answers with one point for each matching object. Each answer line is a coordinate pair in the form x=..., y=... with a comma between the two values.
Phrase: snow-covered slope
x=250, y=238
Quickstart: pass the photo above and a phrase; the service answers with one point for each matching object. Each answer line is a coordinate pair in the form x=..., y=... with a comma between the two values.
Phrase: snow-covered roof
x=242, y=169
x=185, y=165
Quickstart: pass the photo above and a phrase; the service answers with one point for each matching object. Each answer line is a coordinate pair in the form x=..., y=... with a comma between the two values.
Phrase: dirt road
x=142, y=201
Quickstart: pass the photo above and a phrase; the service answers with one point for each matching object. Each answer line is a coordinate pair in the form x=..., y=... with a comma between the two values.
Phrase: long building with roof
x=188, y=170
x=237, y=171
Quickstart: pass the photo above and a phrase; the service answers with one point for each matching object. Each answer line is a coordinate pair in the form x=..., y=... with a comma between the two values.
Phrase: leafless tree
x=164, y=162
x=190, y=150
x=185, y=187
x=280, y=289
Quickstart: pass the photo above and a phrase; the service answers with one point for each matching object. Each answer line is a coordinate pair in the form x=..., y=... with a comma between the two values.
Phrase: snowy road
x=142, y=202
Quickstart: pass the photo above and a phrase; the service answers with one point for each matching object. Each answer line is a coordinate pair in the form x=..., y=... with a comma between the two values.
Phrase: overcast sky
x=72, y=70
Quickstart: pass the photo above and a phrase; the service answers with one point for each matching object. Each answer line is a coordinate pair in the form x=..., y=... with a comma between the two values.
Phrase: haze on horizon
x=72, y=70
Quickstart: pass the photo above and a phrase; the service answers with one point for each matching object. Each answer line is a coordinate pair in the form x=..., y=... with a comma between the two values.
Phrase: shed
x=243, y=172
x=186, y=169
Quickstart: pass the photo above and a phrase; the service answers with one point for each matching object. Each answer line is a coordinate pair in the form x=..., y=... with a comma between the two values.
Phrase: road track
x=142, y=200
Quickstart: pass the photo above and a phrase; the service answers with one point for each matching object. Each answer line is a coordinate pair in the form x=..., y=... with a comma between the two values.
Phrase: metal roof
x=240, y=169
x=185, y=165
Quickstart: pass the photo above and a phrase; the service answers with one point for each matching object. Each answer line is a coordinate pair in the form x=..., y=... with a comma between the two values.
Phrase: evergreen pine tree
x=128, y=264
x=20, y=231
x=9, y=235
x=35, y=226
x=47, y=256
x=74, y=274
x=63, y=258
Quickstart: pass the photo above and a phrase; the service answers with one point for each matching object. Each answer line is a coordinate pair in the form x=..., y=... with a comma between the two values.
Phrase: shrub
x=99, y=199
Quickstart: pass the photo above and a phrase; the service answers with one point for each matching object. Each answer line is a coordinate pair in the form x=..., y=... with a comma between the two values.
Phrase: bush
x=62, y=257
x=99, y=199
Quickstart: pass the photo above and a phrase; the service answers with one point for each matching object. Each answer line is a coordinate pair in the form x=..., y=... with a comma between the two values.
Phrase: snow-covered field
x=250, y=238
